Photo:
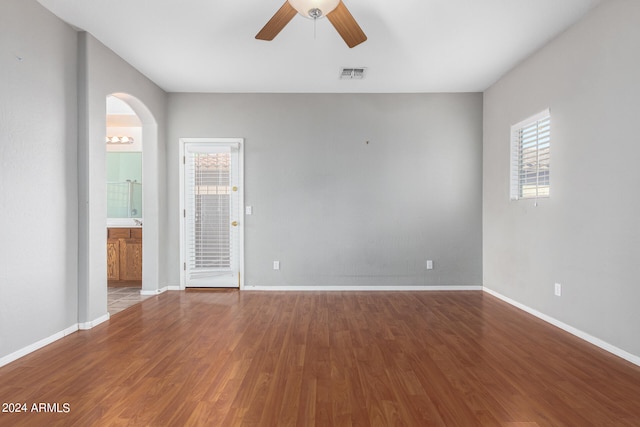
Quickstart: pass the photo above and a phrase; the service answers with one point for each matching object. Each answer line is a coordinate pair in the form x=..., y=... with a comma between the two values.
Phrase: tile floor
x=119, y=299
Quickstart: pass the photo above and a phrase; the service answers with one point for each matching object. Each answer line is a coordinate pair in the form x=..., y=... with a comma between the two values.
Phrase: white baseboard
x=92, y=324
x=37, y=345
x=361, y=288
x=160, y=291
x=153, y=292
x=568, y=328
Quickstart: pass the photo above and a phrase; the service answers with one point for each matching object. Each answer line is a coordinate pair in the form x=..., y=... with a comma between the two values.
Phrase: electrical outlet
x=558, y=289
x=429, y=264
x=276, y=265
x=248, y=210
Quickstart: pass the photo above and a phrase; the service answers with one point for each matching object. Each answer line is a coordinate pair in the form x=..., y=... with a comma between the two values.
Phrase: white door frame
x=183, y=251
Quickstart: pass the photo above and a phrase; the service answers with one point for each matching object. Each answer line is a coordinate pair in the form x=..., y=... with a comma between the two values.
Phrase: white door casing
x=212, y=203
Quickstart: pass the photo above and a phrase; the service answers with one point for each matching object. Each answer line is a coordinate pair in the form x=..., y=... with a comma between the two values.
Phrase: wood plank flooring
x=323, y=359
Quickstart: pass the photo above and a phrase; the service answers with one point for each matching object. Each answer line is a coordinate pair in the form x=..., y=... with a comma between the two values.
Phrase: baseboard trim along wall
x=55, y=337
x=88, y=325
x=37, y=345
x=568, y=328
x=361, y=288
x=158, y=291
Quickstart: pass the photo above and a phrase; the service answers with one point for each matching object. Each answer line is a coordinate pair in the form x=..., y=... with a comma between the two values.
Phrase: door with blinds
x=212, y=179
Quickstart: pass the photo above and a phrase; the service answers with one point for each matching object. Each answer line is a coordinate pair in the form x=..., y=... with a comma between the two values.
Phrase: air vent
x=352, y=73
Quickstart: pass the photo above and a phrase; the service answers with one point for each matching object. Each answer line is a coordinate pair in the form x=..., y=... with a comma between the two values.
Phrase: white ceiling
x=412, y=46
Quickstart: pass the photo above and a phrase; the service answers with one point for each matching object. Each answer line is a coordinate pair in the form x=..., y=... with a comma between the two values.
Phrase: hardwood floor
x=323, y=359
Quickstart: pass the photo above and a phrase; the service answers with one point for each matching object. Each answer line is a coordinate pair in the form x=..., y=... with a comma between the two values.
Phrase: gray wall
x=53, y=85
x=334, y=210
x=101, y=73
x=586, y=236
x=38, y=175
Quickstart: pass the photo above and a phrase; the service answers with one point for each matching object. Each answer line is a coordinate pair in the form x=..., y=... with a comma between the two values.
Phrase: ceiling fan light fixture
x=335, y=11
x=314, y=9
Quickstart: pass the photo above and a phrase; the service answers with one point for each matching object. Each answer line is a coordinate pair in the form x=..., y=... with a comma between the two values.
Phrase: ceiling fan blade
x=346, y=25
x=277, y=22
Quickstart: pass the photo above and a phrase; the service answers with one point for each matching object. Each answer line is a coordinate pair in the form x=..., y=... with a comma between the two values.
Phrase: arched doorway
x=124, y=205
x=134, y=141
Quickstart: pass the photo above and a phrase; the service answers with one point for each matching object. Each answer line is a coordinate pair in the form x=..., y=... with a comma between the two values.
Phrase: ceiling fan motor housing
x=315, y=13
x=314, y=9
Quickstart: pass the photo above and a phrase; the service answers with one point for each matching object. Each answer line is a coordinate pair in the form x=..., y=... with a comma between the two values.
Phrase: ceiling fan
x=335, y=11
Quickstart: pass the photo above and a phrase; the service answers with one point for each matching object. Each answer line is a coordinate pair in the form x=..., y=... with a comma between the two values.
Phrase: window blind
x=208, y=208
x=530, y=157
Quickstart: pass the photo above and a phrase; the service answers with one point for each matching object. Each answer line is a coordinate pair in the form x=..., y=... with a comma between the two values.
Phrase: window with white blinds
x=208, y=208
x=530, y=155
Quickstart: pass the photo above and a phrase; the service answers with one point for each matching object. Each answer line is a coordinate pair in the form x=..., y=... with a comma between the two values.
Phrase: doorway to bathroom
x=124, y=204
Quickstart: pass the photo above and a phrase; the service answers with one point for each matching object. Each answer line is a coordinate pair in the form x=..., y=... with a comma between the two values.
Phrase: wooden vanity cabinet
x=113, y=259
x=124, y=255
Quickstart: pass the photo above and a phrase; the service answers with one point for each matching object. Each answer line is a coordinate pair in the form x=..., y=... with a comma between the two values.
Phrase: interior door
x=212, y=206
